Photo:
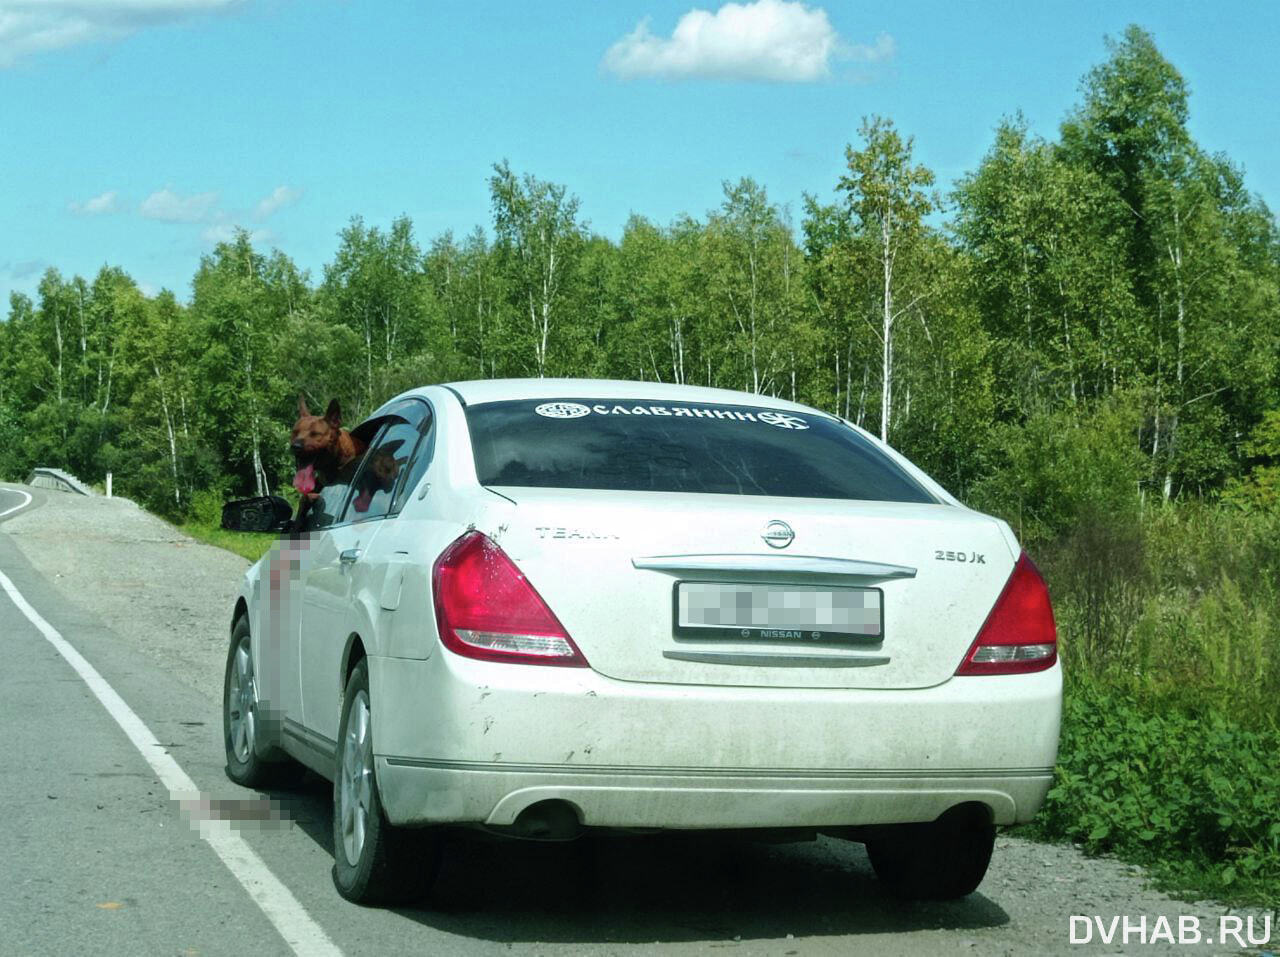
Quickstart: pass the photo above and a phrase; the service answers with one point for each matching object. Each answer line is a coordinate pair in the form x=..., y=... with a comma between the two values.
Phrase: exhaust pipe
x=552, y=820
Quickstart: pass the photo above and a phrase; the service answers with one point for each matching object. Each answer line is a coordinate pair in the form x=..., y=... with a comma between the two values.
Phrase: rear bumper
x=466, y=741
x=418, y=793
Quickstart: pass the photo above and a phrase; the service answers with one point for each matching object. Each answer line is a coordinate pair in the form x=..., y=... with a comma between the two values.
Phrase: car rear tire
x=373, y=861
x=941, y=860
x=251, y=761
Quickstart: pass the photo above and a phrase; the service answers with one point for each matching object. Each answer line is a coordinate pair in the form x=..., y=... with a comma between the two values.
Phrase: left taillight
x=1019, y=635
x=486, y=608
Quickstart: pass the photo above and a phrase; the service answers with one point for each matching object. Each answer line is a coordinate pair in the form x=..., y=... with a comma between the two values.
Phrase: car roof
x=480, y=391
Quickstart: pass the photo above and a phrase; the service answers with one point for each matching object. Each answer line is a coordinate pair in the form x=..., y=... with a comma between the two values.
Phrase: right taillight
x=1019, y=635
x=486, y=608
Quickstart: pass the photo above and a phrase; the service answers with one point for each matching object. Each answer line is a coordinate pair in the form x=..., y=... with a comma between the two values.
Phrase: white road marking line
x=26, y=495
x=303, y=935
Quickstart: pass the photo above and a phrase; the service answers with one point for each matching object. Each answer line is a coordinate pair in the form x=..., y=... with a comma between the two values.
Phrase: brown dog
x=322, y=450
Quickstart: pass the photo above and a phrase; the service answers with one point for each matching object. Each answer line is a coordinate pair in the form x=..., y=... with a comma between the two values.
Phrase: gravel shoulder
x=169, y=596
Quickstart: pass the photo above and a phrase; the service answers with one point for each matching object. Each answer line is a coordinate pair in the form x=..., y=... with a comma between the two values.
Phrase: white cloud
x=22, y=270
x=779, y=40
x=219, y=225
x=29, y=27
x=169, y=207
x=224, y=231
x=105, y=203
x=883, y=49
x=279, y=197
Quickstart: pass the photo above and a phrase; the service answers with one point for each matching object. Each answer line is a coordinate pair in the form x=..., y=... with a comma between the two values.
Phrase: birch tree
x=1199, y=324
x=538, y=241
x=240, y=364
x=1042, y=237
x=376, y=286
x=748, y=262
x=886, y=193
x=156, y=357
x=656, y=309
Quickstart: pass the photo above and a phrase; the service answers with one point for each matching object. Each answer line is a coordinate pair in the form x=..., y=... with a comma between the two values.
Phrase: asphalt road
x=98, y=858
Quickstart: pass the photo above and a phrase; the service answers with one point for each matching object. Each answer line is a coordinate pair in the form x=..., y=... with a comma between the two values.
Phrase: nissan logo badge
x=778, y=534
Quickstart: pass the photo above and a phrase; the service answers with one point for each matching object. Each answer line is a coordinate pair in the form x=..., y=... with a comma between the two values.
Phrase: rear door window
x=417, y=467
x=654, y=446
x=382, y=472
x=326, y=510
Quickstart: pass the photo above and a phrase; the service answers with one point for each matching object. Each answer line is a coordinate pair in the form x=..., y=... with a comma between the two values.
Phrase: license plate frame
x=756, y=633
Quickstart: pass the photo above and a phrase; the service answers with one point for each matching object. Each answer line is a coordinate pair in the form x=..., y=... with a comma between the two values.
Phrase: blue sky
x=137, y=132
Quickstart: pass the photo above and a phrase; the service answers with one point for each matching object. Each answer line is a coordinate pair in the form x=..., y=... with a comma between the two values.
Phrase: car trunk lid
x=610, y=563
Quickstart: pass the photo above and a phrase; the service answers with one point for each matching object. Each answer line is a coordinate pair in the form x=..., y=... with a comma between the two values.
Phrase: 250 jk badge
x=972, y=558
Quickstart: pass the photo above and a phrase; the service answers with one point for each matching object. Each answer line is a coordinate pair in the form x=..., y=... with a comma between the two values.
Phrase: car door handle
x=350, y=556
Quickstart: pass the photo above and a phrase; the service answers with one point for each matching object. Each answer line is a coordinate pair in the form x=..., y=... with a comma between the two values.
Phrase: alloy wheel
x=355, y=789
x=242, y=702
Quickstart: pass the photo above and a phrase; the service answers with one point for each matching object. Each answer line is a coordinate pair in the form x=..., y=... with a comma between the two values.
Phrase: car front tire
x=373, y=861
x=251, y=762
x=940, y=860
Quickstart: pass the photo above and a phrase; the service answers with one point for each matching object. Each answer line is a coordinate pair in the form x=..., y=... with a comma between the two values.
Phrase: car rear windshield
x=639, y=445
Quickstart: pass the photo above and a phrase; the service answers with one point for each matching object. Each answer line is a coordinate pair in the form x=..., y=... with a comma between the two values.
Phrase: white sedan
x=542, y=606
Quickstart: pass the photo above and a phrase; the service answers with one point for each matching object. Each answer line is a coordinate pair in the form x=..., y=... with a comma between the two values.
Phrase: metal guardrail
x=58, y=480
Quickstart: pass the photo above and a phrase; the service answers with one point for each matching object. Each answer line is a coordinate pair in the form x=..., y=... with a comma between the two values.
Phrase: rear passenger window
x=382, y=472
x=324, y=511
x=411, y=476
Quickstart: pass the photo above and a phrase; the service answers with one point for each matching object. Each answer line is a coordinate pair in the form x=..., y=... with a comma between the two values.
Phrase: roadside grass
x=250, y=545
x=1169, y=629
x=205, y=524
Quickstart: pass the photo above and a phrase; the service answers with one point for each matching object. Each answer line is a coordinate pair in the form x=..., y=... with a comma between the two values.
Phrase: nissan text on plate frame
x=544, y=606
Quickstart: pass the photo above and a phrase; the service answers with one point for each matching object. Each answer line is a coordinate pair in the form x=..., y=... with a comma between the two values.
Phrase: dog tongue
x=305, y=479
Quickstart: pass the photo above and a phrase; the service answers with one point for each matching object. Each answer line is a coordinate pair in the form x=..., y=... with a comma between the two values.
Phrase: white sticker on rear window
x=783, y=421
x=576, y=410
x=562, y=410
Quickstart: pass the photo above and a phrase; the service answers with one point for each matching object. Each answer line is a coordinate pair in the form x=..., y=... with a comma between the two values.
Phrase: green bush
x=1044, y=475
x=206, y=507
x=1192, y=794
x=1260, y=490
x=1181, y=606
x=1169, y=630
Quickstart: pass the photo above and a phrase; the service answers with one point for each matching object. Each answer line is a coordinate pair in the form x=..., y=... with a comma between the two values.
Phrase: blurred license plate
x=778, y=612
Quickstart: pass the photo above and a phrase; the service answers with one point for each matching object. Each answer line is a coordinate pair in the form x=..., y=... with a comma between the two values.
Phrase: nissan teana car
x=540, y=607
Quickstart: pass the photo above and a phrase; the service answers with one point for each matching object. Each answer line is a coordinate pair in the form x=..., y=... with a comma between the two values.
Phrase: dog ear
x=333, y=414
x=303, y=411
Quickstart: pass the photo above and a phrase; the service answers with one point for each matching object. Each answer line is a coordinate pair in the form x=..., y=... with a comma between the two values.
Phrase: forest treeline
x=1074, y=322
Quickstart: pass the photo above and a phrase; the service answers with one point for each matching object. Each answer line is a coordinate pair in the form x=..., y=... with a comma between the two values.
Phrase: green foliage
x=539, y=241
x=884, y=188
x=886, y=245
x=1260, y=489
x=1167, y=629
x=1191, y=793
x=748, y=259
x=1265, y=441
x=1059, y=467
x=376, y=288
x=1181, y=604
